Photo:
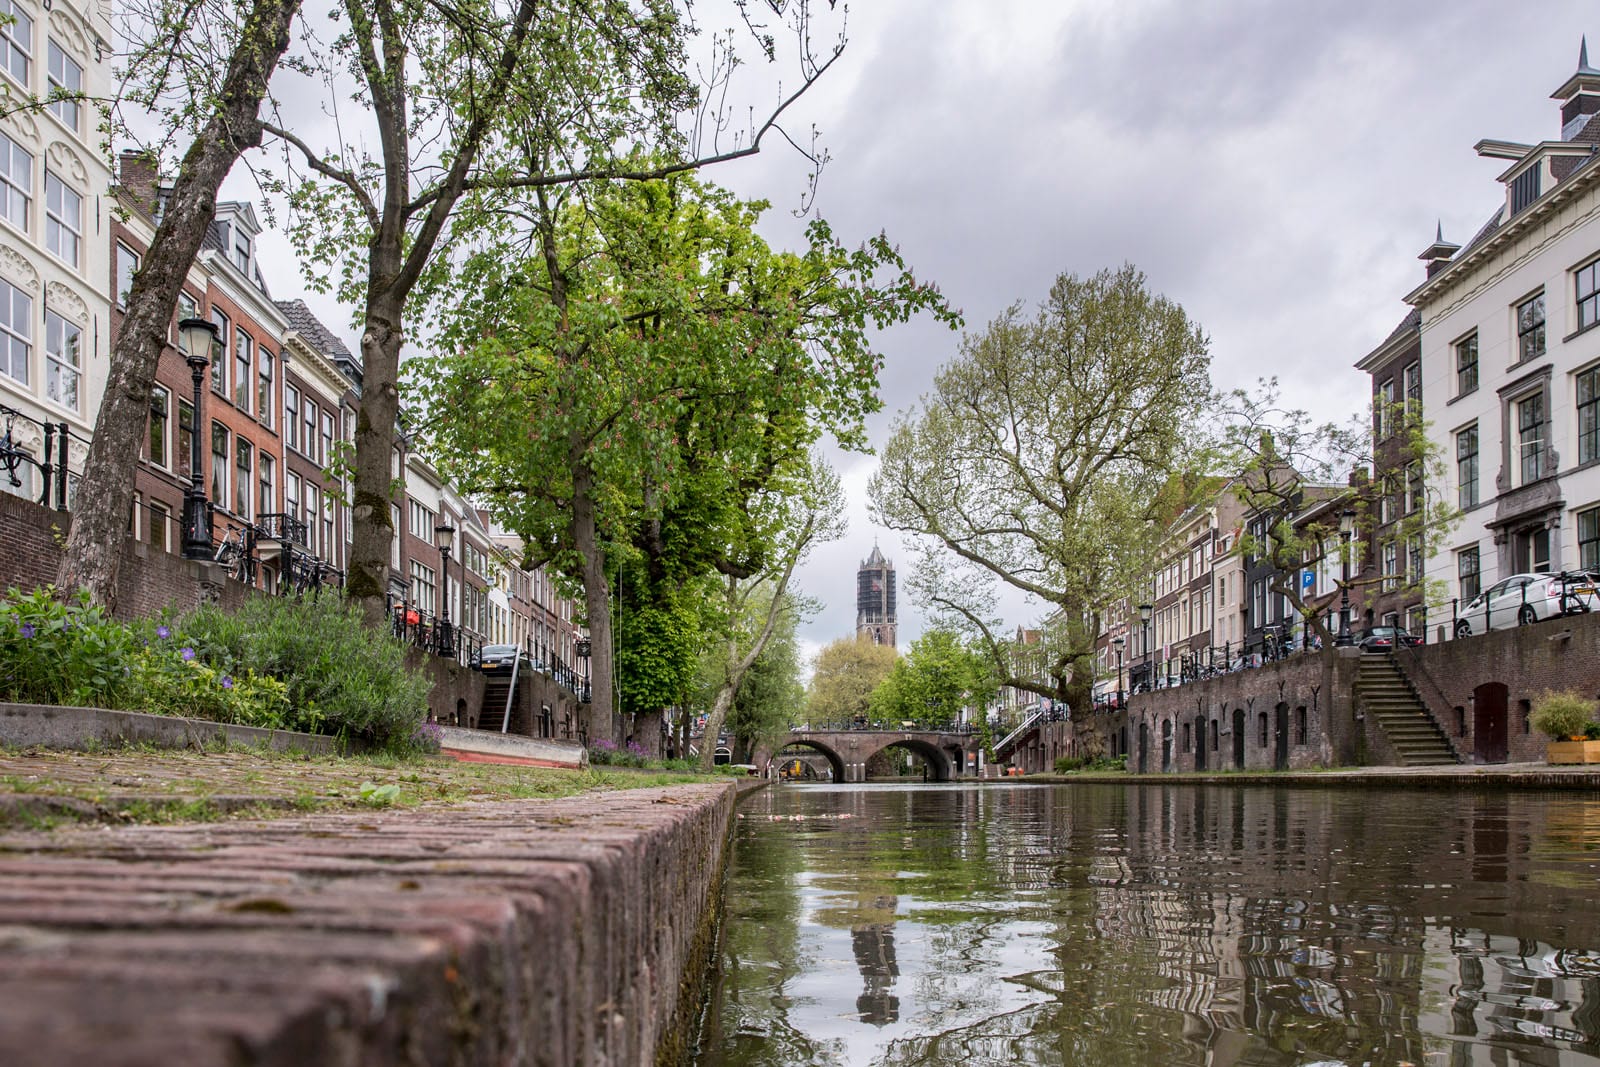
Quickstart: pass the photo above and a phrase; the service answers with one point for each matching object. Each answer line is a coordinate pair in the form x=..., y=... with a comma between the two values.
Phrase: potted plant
x=1568, y=720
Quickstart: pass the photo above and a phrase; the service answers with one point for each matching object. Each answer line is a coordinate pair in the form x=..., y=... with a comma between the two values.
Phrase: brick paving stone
x=542, y=932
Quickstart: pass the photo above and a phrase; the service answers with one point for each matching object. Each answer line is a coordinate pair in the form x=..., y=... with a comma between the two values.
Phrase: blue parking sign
x=1308, y=581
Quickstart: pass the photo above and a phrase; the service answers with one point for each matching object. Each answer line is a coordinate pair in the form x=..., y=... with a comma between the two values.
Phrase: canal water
x=1158, y=924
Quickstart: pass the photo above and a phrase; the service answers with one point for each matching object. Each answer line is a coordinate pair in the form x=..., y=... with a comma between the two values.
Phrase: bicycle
x=233, y=554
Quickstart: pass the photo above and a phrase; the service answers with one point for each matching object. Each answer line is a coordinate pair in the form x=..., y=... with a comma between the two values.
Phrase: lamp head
x=1145, y=611
x=446, y=535
x=199, y=339
x=1118, y=642
x=1347, y=522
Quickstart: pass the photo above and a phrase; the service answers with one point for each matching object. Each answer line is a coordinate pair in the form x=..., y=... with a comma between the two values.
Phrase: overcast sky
x=1273, y=167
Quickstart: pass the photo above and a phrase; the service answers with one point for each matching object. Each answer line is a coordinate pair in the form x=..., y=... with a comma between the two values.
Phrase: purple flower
x=188, y=654
x=27, y=629
x=227, y=683
x=163, y=633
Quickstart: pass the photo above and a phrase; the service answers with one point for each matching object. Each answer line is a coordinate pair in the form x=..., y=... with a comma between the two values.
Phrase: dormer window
x=241, y=250
x=1525, y=188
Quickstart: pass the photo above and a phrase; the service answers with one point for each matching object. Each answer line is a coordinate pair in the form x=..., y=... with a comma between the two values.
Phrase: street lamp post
x=1145, y=611
x=1347, y=529
x=1117, y=643
x=199, y=338
x=446, y=535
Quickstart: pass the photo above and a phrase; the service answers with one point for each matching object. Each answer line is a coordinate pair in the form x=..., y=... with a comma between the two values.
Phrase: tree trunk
x=714, y=720
x=597, y=601
x=100, y=514
x=372, y=529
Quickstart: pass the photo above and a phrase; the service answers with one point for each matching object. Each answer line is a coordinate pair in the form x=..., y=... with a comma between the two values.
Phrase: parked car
x=1528, y=598
x=498, y=658
x=1386, y=638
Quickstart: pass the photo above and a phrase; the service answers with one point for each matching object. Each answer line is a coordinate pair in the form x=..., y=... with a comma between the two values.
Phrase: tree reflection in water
x=1159, y=924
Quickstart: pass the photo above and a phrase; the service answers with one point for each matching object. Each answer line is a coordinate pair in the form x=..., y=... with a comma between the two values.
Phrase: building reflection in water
x=874, y=950
x=1215, y=927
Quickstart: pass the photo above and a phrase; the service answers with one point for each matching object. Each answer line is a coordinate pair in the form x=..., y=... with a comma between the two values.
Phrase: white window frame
x=13, y=49
x=65, y=365
x=61, y=234
x=160, y=397
x=16, y=183
x=16, y=332
x=69, y=81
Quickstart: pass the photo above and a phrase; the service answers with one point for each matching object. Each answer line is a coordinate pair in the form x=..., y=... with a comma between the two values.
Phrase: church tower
x=875, y=600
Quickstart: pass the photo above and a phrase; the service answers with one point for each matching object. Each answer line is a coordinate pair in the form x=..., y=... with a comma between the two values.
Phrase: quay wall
x=1311, y=699
x=573, y=931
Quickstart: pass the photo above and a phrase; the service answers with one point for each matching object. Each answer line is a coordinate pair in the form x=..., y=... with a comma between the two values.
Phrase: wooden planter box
x=1573, y=752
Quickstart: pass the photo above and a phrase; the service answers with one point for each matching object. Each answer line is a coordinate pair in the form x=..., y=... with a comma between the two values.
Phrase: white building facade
x=1511, y=363
x=55, y=260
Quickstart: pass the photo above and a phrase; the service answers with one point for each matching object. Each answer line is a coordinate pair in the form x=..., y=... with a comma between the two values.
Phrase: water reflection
x=1159, y=924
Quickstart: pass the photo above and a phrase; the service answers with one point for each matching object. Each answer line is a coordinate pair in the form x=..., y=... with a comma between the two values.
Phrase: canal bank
x=1505, y=776
x=556, y=932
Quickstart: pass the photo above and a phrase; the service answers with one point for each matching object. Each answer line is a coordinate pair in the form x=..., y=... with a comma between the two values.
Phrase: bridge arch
x=937, y=761
x=836, y=762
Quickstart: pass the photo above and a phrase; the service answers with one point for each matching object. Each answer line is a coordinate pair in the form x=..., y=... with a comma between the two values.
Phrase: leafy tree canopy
x=847, y=672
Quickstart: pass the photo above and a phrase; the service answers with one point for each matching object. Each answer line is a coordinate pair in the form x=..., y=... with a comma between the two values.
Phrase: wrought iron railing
x=51, y=464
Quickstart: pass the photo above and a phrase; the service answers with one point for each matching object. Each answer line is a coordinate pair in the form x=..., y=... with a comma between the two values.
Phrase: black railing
x=52, y=463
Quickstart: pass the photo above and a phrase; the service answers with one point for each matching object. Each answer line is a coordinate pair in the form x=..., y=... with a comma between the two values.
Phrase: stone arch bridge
x=948, y=754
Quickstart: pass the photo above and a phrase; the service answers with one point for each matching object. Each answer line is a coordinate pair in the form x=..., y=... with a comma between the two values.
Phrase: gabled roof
x=302, y=321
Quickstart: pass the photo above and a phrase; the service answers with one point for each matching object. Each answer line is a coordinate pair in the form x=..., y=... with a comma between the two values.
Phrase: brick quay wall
x=531, y=932
x=1311, y=700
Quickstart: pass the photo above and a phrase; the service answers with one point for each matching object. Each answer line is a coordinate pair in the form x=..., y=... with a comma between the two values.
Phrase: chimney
x=137, y=174
x=1579, y=95
x=1437, y=255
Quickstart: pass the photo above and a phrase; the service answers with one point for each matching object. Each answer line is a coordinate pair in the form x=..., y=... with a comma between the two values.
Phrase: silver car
x=1527, y=598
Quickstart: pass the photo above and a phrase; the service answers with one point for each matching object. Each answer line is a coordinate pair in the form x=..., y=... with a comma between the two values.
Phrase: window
x=243, y=372
x=394, y=542
x=421, y=587
x=1589, y=415
x=422, y=522
x=1384, y=414
x=328, y=541
x=1530, y=328
x=1530, y=437
x=127, y=265
x=1414, y=560
x=325, y=448
x=160, y=405
x=291, y=494
x=63, y=349
x=16, y=330
x=308, y=427
x=219, y=464
x=1413, y=387
x=65, y=79
x=1414, y=491
x=16, y=179
x=1467, y=467
x=291, y=415
x=63, y=219
x=219, y=354
x=242, y=480
x=311, y=508
x=1589, y=539
x=264, y=405
x=1467, y=365
x=16, y=41
x=1468, y=574
x=187, y=309
x=241, y=250
x=266, y=502
x=1587, y=281
x=161, y=527
x=1525, y=188
x=185, y=456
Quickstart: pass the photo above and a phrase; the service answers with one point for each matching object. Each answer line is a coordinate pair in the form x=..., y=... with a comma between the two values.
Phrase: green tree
x=846, y=673
x=935, y=681
x=770, y=695
x=654, y=376
x=1048, y=457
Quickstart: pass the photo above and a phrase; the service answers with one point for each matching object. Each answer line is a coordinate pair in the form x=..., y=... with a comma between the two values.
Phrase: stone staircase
x=1388, y=696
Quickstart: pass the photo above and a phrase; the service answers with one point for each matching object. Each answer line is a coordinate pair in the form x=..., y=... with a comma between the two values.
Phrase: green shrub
x=62, y=652
x=1563, y=714
x=341, y=675
x=1591, y=732
x=1068, y=764
x=169, y=678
